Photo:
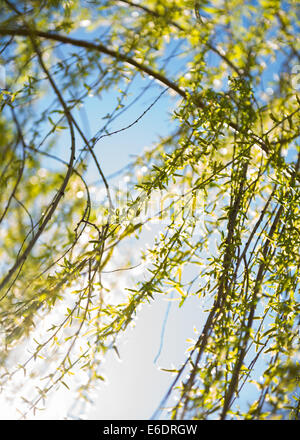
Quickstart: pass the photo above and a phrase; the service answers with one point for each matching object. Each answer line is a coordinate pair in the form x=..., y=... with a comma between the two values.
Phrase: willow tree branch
x=258, y=282
x=45, y=220
x=21, y=31
x=181, y=28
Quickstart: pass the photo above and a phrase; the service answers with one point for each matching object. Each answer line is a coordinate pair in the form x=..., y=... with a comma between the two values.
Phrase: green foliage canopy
x=234, y=147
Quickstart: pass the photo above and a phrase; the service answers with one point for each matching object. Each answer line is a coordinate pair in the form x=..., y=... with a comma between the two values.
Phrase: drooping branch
x=21, y=31
x=52, y=208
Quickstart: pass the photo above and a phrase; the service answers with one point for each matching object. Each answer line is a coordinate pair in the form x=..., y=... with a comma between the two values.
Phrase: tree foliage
x=233, y=150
